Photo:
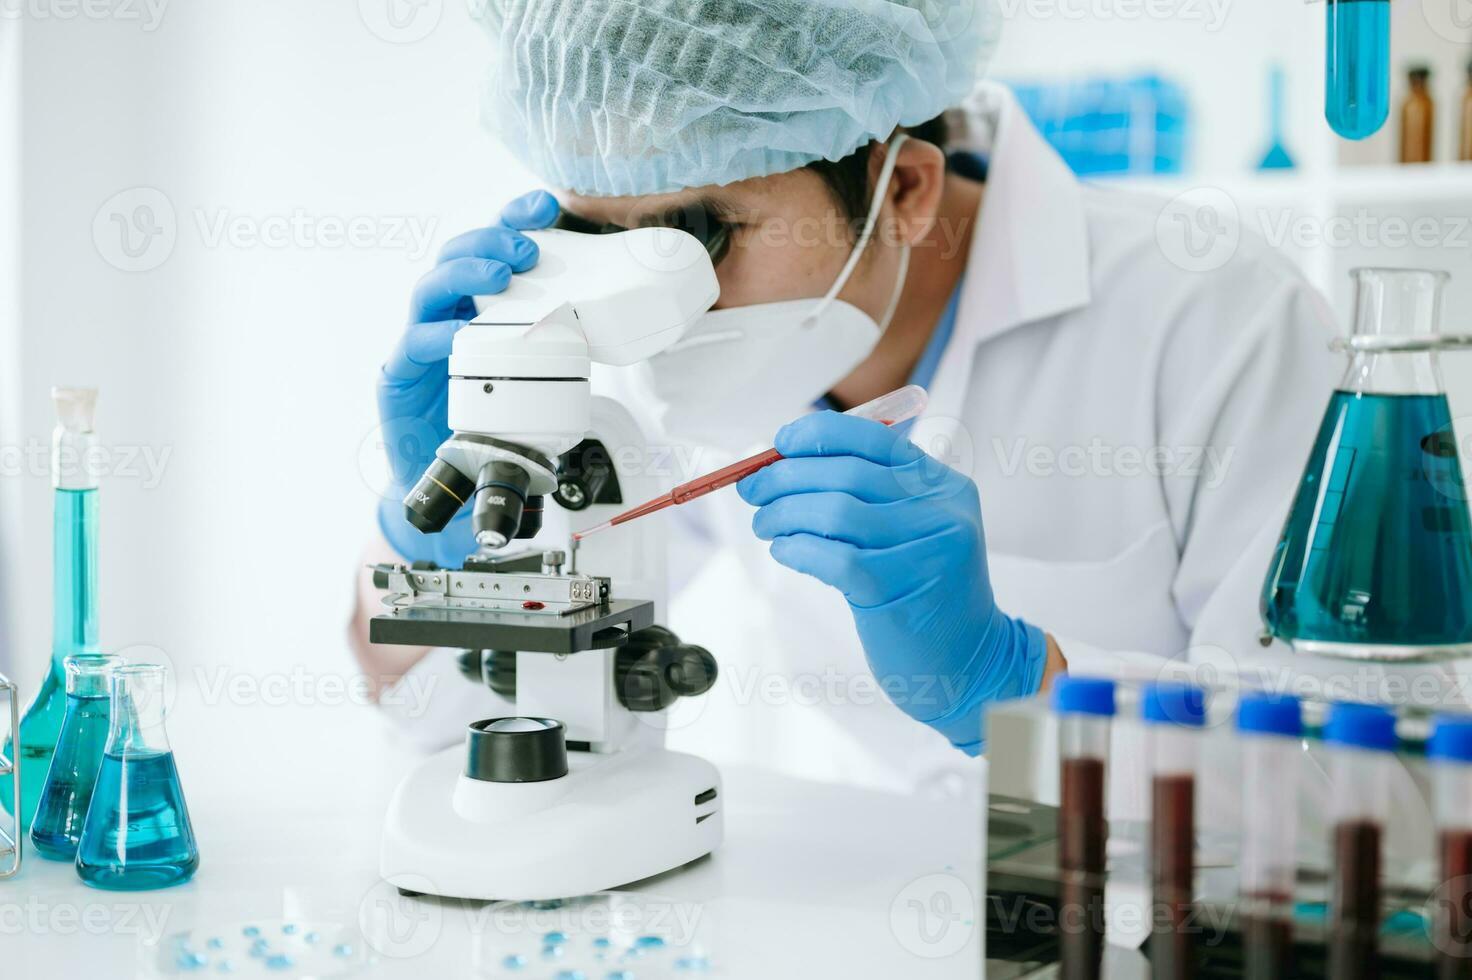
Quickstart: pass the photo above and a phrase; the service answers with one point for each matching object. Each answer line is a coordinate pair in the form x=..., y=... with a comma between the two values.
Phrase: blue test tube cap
x=1451, y=739
x=1363, y=726
x=1270, y=714
x=1084, y=696
x=1168, y=702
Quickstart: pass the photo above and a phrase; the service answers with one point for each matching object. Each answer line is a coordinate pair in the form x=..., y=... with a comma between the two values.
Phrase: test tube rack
x=1022, y=842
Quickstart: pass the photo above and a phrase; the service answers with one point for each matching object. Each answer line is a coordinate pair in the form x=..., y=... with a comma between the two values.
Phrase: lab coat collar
x=1029, y=256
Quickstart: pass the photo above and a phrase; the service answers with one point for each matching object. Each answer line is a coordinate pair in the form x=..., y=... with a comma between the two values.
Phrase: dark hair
x=848, y=179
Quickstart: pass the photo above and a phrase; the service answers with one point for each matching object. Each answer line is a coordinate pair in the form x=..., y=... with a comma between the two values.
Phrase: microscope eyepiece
x=437, y=497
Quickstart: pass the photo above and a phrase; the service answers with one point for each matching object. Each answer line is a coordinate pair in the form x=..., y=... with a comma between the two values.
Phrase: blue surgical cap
x=627, y=97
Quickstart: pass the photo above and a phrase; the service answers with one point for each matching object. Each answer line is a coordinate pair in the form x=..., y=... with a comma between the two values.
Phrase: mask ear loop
x=899, y=288
x=885, y=173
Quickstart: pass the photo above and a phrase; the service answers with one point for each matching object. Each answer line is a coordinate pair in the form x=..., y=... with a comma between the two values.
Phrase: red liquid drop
x=533, y=604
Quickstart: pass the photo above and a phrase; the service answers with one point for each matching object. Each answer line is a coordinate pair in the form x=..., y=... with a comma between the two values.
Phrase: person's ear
x=914, y=190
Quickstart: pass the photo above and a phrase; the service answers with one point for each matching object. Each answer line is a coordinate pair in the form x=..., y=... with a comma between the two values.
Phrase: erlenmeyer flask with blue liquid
x=1375, y=560
x=67, y=792
x=137, y=834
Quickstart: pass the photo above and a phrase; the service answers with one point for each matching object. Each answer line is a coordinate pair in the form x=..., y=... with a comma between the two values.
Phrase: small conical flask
x=57, y=827
x=137, y=834
x=1375, y=559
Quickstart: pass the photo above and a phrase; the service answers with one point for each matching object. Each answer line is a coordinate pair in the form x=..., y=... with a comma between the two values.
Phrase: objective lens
x=437, y=497
x=500, y=500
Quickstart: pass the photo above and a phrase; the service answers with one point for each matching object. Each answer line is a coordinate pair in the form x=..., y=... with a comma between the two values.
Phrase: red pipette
x=898, y=406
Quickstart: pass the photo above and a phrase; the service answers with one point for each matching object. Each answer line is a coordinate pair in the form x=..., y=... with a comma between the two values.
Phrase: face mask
x=739, y=375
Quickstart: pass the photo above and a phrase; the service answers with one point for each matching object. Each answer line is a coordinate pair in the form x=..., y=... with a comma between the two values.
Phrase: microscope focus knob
x=693, y=671
x=653, y=669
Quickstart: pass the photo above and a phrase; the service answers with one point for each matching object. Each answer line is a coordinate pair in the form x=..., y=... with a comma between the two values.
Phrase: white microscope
x=573, y=792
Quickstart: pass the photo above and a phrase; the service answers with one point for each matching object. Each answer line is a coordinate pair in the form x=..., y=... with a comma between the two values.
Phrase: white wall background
x=249, y=364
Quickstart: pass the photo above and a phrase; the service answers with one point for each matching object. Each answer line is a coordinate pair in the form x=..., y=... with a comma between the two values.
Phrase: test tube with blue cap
x=1450, y=752
x=1270, y=728
x=1085, y=707
x=1174, y=714
x=1363, y=740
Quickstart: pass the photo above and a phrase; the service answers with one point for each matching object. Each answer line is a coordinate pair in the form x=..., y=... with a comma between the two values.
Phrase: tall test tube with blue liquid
x=1375, y=559
x=1356, y=66
x=75, y=480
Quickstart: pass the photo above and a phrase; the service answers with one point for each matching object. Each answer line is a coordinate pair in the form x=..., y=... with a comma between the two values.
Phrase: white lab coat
x=1135, y=428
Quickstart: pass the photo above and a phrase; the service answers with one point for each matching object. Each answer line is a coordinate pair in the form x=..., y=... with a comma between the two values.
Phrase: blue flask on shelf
x=137, y=834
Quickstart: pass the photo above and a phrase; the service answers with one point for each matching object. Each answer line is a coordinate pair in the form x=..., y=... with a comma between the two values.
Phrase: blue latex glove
x=859, y=506
x=413, y=386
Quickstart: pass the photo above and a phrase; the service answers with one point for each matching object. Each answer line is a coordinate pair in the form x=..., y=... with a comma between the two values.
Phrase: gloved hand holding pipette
x=857, y=505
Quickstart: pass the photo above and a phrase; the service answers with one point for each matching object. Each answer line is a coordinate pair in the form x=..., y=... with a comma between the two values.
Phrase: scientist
x=1130, y=425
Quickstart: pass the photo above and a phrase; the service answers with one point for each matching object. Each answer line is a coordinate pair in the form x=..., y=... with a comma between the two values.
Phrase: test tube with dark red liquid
x=1450, y=751
x=1363, y=741
x=1085, y=706
x=1174, y=715
x=1270, y=730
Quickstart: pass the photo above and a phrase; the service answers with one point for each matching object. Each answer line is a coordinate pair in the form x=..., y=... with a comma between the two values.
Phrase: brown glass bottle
x=1417, y=118
x=1464, y=145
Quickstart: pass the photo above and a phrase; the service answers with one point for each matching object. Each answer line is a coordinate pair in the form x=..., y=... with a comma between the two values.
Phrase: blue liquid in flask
x=57, y=828
x=1357, y=66
x=1378, y=544
x=137, y=834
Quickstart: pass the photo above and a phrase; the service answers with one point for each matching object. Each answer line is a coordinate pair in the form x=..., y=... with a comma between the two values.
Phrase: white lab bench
x=813, y=880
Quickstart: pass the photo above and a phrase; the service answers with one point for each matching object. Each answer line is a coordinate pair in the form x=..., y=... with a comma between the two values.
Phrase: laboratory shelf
x=1400, y=184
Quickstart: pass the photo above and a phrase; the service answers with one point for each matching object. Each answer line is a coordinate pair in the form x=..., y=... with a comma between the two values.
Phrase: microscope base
x=613, y=819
